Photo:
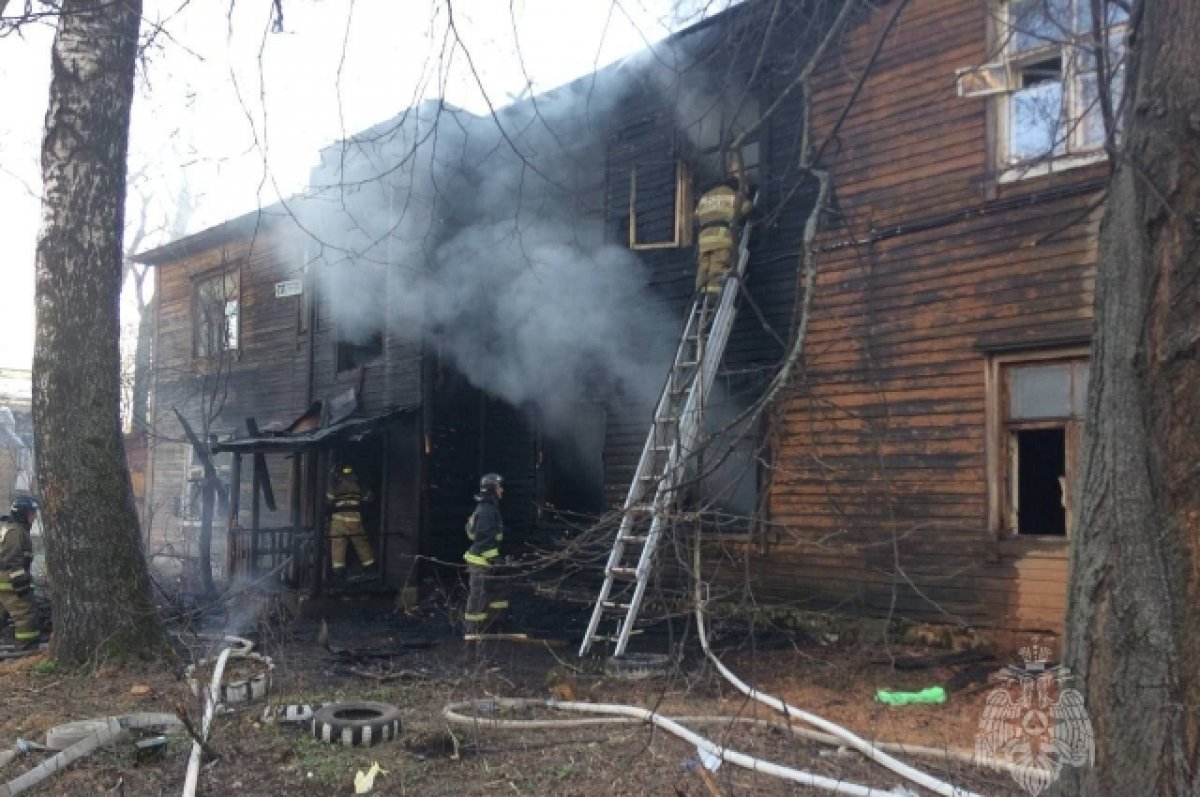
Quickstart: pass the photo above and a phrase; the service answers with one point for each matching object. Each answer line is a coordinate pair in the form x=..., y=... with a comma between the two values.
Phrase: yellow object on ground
x=365, y=781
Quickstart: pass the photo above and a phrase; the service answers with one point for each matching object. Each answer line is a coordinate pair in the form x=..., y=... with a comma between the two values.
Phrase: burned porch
x=298, y=552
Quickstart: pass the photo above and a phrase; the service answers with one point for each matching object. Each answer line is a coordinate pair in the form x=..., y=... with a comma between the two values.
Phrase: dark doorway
x=572, y=463
x=365, y=457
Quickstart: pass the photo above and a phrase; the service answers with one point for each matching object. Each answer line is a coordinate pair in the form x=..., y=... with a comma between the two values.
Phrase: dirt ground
x=432, y=667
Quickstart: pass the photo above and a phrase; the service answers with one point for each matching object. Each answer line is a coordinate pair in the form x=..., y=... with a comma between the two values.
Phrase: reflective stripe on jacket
x=485, y=529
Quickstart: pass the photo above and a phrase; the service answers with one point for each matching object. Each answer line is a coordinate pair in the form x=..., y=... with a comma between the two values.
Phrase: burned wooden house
x=456, y=294
x=927, y=461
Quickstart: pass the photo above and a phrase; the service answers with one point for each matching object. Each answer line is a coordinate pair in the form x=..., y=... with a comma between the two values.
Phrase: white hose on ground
x=645, y=715
x=452, y=713
x=113, y=728
x=210, y=707
x=849, y=739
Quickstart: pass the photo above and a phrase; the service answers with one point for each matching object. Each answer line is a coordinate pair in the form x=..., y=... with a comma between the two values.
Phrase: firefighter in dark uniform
x=16, y=562
x=485, y=530
x=719, y=215
x=346, y=499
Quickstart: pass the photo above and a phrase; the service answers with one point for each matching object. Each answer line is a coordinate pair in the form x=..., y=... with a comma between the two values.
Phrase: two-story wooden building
x=457, y=294
x=928, y=454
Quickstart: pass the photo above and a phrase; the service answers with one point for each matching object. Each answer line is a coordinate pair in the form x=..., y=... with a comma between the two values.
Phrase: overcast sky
x=238, y=112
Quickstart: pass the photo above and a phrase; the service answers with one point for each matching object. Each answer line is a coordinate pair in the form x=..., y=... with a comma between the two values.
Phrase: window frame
x=1000, y=453
x=999, y=80
x=682, y=227
x=203, y=353
x=349, y=356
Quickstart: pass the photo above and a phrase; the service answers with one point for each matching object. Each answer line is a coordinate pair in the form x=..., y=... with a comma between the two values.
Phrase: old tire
x=245, y=690
x=356, y=724
x=636, y=666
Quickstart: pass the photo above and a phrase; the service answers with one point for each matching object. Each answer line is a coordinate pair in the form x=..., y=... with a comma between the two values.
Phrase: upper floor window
x=216, y=314
x=1047, y=80
x=354, y=349
x=660, y=205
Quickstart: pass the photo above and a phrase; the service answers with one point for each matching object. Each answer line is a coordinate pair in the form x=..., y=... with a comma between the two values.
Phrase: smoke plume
x=486, y=237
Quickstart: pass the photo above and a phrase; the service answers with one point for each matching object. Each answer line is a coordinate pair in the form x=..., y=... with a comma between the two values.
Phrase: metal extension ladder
x=669, y=446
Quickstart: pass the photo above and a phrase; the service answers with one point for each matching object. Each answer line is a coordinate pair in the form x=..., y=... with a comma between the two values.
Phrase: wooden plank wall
x=644, y=129
x=879, y=497
x=264, y=379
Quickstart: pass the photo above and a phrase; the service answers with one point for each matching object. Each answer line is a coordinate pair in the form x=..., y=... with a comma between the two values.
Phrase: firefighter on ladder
x=16, y=563
x=346, y=499
x=719, y=215
x=485, y=530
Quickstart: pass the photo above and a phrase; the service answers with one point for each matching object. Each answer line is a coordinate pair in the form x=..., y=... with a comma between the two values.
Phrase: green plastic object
x=930, y=694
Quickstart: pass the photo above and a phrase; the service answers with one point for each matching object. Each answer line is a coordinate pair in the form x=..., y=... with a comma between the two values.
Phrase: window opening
x=1046, y=78
x=216, y=306
x=1041, y=462
x=353, y=353
x=660, y=199
x=1042, y=408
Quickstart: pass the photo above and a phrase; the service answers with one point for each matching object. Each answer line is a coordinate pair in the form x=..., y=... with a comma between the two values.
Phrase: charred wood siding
x=401, y=448
x=391, y=379
x=453, y=425
x=510, y=448
x=265, y=378
x=645, y=132
x=879, y=503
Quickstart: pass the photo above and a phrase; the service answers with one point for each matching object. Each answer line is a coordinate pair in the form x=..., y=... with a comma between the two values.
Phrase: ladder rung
x=634, y=538
x=607, y=638
x=642, y=509
x=614, y=605
x=628, y=572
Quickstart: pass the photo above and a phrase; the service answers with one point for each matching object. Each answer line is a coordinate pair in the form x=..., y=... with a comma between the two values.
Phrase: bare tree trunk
x=1133, y=626
x=97, y=570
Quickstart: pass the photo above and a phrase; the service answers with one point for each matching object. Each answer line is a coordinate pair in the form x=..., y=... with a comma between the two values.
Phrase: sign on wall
x=288, y=288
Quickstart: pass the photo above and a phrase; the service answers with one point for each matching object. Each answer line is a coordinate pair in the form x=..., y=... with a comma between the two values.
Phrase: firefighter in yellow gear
x=345, y=501
x=719, y=215
x=16, y=561
x=485, y=530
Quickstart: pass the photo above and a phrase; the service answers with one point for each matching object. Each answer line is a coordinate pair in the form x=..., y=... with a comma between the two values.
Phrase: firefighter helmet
x=24, y=503
x=490, y=481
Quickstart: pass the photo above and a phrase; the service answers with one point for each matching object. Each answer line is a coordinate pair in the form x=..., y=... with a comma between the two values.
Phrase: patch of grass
x=321, y=762
x=45, y=667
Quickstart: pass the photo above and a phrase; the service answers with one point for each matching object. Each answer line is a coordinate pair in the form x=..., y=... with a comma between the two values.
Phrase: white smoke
x=490, y=245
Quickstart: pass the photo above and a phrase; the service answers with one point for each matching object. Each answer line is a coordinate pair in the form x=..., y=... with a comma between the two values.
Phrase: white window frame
x=212, y=337
x=1000, y=80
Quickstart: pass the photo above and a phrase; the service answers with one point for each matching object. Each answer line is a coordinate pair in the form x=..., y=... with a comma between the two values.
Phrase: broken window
x=216, y=315
x=1046, y=80
x=660, y=205
x=1041, y=407
x=353, y=352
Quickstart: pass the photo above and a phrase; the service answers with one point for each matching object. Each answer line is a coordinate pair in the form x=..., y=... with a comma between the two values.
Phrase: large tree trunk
x=101, y=588
x=1133, y=627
